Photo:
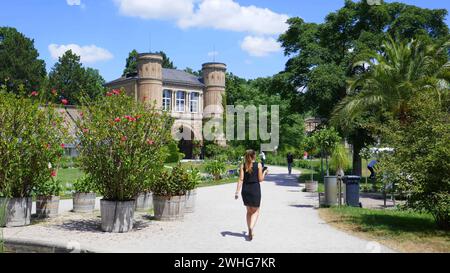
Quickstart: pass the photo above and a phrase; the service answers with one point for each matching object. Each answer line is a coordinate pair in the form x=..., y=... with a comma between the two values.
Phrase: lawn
x=404, y=231
x=69, y=175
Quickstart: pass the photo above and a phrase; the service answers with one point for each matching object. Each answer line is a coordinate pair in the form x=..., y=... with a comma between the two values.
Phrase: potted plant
x=47, y=197
x=169, y=191
x=191, y=192
x=215, y=168
x=196, y=149
x=84, y=195
x=121, y=144
x=31, y=137
x=144, y=199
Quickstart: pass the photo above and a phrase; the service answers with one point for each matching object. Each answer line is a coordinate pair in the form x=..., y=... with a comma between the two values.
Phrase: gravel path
x=289, y=222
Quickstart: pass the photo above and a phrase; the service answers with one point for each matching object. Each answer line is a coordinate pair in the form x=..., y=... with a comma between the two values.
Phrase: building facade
x=189, y=99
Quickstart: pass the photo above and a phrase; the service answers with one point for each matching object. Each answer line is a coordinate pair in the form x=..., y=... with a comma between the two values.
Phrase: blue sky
x=241, y=33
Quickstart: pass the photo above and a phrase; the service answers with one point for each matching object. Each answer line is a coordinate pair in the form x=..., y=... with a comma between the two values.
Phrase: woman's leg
x=249, y=217
x=254, y=217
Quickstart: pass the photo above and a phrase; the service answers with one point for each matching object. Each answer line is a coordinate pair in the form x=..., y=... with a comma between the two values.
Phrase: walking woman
x=251, y=174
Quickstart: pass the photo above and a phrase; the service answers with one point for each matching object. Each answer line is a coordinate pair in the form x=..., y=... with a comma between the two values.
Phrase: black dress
x=251, y=189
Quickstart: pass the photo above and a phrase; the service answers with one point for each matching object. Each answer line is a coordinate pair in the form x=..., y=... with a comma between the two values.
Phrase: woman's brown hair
x=250, y=155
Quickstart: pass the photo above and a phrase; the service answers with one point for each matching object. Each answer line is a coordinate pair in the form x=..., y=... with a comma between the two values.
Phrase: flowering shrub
x=30, y=142
x=120, y=144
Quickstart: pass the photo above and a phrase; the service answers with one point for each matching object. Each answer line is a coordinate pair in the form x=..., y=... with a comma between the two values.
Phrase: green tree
x=394, y=77
x=420, y=164
x=326, y=140
x=71, y=80
x=20, y=68
x=132, y=60
x=323, y=55
x=131, y=63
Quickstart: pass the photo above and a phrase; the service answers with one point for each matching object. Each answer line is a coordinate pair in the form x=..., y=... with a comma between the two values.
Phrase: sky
x=241, y=33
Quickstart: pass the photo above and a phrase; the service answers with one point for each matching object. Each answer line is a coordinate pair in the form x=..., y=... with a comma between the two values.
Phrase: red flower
x=117, y=119
x=124, y=138
x=116, y=92
x=62, y=145
x=138, y=116
x=64, y=101
x=34, y=93
x=53, y=173
x=150, y=142
x=108, y=94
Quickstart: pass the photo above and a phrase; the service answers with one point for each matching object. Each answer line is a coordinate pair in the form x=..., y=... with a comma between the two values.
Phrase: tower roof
x=169, y=76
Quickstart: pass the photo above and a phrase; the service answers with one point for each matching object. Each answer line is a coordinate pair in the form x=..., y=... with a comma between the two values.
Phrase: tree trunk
x=321, y=164
x=357, y=168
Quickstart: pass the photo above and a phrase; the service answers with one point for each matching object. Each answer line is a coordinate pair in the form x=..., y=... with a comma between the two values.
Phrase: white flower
x=49, y=165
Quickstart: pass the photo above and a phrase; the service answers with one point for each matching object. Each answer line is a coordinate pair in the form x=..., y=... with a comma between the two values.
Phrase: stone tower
x=214, y=80
x=214, y=91
x=150, y=78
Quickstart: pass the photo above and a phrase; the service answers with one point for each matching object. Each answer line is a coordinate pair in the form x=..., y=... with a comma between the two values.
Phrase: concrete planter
x=117, y=216
x=144, y=201
x=17, y=211
x=83, y=202
x=47, y=206
x=168, y=208
x=311, y=186
x=191, y=197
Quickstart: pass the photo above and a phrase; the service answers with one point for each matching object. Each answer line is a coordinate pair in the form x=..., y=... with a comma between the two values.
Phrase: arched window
x=180, y=101
x=194, y=102
x=167, y=100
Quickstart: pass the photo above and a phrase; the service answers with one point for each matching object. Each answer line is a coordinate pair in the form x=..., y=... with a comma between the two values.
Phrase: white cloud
x=217, y=14
x=229, y=15
x=260, y=24
x=88, y=54
x=155, y=9
x=258, y=46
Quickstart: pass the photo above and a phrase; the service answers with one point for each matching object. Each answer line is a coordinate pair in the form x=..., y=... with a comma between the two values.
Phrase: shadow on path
x=302, y=206
x=235, y=234
x=93, y=225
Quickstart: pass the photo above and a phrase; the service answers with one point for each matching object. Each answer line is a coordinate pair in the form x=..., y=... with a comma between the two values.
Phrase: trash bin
x=352, y=190
x=330, y=183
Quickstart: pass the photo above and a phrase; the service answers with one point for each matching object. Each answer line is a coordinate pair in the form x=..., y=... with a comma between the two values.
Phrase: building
x=189, y=99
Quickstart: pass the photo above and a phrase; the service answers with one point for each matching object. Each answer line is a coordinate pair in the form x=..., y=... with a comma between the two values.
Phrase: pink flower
x=48, y=146
x=108, y=94
x=150, y=142
x=124, y=138
x=34, y=93
x=116, y=92
x=85, y=130
x=64, y=101
x=117, y=119
x=53, y=173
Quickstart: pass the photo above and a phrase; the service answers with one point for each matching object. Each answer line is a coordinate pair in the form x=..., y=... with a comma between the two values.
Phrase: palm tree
x=392, y=79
